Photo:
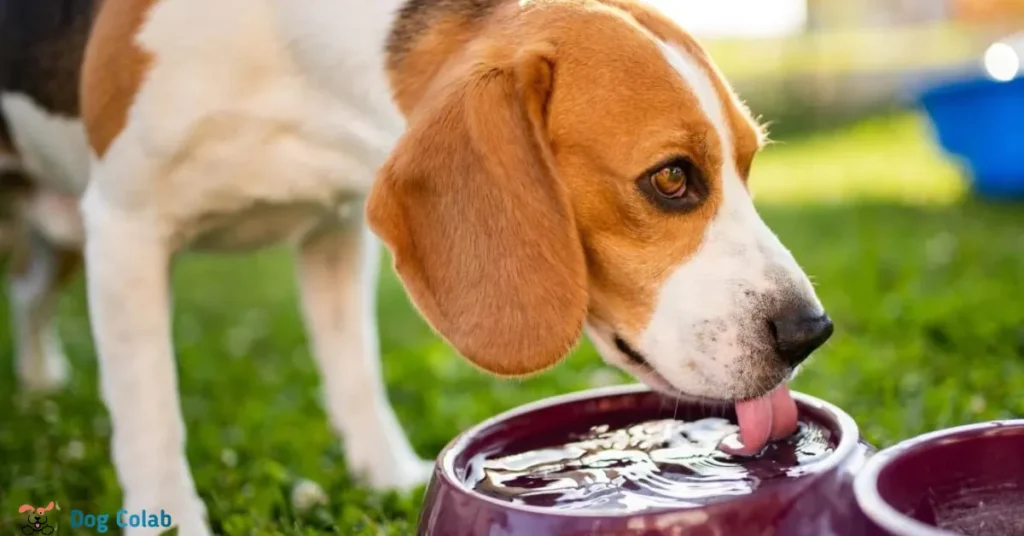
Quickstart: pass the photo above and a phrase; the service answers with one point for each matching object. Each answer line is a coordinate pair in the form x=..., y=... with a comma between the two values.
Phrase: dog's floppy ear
x=25, y=508
x=48, y=507
x=480, y=227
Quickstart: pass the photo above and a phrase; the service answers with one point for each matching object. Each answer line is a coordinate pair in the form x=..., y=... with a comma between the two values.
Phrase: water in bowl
x=655, y=464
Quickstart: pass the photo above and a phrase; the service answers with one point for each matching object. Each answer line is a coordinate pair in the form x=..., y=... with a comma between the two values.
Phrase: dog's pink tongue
x=772, y=416
x=784, y=416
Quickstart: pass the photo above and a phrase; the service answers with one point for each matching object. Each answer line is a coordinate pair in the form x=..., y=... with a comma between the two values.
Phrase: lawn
x=923, y=285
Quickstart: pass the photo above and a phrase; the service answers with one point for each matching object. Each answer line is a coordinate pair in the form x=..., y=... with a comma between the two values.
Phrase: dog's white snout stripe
x=706, y=335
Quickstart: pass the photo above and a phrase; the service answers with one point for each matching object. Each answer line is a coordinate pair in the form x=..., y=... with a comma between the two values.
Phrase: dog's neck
x=370, y=51
x=427, y=35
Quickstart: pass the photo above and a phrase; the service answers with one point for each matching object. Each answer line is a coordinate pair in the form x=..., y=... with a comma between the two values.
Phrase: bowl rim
x=865, y=483
x=849, y=438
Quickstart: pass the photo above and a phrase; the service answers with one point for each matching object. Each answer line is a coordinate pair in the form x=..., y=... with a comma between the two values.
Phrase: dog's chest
x=243, y=181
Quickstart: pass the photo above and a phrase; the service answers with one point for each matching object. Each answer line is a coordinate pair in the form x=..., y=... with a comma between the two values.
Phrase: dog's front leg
x=127, y=268
x=338, y=268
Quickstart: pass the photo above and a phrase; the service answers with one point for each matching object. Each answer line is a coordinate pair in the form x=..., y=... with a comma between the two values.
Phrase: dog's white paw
x=186, y=512
x=392, y=474
x=188, y=526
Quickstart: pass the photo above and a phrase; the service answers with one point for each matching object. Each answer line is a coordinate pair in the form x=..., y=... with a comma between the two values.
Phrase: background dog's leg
x=338, y=269
x=38, y=271
x=127, y=267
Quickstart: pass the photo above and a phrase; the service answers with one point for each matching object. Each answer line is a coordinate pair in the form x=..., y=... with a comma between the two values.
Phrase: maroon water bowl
x=964, y=480
x=818, y=501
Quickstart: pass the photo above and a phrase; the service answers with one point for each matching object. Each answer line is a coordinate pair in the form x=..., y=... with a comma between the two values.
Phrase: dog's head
x=584, y=164
x=37, y=518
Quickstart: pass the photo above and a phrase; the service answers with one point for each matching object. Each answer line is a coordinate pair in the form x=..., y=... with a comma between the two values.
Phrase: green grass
x=923, y=284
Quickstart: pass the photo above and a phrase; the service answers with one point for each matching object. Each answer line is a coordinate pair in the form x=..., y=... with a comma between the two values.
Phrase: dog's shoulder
x=113, y=69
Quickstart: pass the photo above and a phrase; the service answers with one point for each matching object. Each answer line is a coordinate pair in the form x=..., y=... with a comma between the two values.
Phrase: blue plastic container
x=981, y=122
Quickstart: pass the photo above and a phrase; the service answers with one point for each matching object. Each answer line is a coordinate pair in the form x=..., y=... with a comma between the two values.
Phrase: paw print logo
x=37, y=519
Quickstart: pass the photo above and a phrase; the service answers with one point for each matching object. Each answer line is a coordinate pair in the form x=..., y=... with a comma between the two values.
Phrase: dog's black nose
x=796, y=336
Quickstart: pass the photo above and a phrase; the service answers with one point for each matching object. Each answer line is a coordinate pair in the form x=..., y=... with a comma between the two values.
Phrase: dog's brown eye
x=675, y=186
x=670, y=181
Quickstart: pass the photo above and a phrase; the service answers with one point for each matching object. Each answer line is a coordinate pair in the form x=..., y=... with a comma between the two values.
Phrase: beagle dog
x=538, y=168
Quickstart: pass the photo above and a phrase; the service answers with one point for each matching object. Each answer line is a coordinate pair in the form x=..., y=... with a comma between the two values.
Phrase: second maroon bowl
x=814, y=501
x=963, y=480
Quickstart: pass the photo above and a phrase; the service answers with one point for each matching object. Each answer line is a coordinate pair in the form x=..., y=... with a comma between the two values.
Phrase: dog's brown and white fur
x=504, y=148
